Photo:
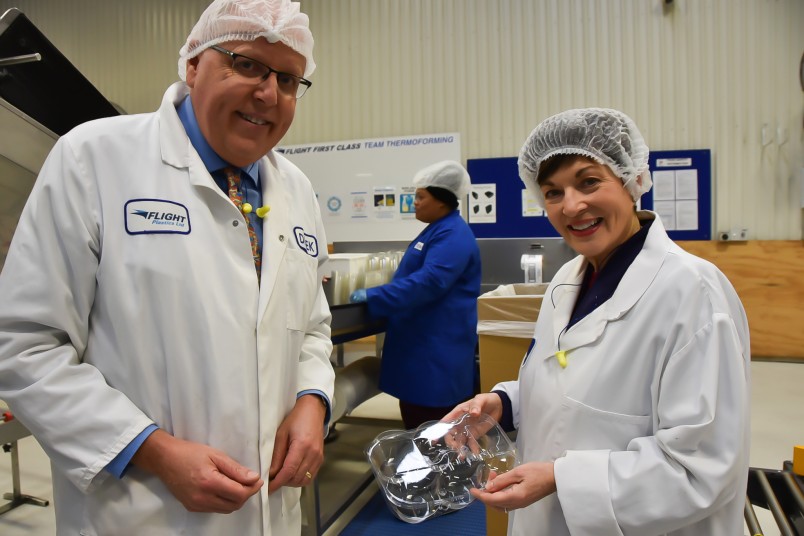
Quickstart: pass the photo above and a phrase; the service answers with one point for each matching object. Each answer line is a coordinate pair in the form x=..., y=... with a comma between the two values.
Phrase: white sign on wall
x=483, y=203
x=364, y=186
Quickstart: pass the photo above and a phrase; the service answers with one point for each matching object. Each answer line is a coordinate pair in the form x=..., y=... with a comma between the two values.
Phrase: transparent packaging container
x=428, y=471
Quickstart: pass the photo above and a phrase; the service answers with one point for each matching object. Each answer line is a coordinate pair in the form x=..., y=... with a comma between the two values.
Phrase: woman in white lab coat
x=632, y=403
x=129, y=298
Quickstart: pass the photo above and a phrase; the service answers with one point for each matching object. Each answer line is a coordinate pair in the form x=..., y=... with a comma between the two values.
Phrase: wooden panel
x=768, y=278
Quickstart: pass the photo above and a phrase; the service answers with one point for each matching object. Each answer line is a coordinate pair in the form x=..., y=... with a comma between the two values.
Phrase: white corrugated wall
x=697, y=74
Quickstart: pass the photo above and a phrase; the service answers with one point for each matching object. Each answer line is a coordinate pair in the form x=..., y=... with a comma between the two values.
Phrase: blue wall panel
x=510, y=223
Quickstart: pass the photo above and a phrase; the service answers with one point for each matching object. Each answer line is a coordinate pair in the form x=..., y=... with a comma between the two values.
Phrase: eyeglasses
x=288, y=84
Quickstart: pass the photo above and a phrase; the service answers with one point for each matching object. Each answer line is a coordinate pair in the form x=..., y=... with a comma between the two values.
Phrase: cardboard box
x=496, y=522
x=506, y=321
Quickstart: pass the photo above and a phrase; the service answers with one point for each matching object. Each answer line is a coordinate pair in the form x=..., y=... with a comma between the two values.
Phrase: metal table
x=11, y=431
x=781, y=493
x=350, y=322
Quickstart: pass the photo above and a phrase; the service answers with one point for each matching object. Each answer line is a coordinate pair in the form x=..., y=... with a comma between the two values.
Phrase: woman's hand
x=488, y=403
x=520, y=487
x=358, y=296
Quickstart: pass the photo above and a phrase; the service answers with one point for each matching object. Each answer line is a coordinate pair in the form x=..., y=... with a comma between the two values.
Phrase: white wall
x=700, y=74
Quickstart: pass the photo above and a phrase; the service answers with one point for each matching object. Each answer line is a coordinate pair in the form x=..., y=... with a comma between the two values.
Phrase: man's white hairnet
x=247, y=20
x=447, y=174
x=607, y=136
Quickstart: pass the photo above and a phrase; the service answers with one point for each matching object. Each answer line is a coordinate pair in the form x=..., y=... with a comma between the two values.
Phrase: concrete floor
x=777, y=425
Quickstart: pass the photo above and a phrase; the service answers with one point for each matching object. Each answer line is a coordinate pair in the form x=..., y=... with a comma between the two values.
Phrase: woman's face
x=428, y=208
x=589, y=207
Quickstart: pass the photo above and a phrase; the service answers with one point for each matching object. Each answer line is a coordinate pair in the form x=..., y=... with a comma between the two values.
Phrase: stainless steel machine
x=500, y=258
x=42, y=95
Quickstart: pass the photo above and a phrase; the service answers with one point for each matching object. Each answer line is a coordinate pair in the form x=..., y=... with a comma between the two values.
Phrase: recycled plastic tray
x=428, y=471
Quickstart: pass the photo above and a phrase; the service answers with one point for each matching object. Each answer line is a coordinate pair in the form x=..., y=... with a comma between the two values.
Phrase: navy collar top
x=597, y=287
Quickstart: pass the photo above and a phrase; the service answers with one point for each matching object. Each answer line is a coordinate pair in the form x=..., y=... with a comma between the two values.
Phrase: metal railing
x=781, y=493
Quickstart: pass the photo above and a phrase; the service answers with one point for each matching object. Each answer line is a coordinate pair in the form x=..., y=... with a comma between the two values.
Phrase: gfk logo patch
x=307, y=242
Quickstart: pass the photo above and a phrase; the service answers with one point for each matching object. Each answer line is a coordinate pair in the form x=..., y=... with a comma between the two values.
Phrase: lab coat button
x=235, y=223
x=281, y=238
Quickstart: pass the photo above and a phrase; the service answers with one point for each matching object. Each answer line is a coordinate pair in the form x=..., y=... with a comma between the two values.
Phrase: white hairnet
x=607, y=136
x=447, y=174
x=247, y=20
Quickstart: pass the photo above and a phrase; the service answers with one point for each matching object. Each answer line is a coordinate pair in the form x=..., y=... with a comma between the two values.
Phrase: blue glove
x=358, y=296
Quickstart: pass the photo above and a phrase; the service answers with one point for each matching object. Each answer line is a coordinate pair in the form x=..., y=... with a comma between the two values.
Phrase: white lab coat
x=649, y=422
x=105, y=329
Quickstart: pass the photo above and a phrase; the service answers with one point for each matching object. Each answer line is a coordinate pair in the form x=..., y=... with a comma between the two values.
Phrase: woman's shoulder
x=694, y=278
x=452, y=224
x=683, y=264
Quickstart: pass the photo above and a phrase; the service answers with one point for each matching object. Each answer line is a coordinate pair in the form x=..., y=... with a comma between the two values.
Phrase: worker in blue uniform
x=430, y=305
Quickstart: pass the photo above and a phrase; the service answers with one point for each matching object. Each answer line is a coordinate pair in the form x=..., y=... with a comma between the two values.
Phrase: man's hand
x=299, y=448
x=203, y=479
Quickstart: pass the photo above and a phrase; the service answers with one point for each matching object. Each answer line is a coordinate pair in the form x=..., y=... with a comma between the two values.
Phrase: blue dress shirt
x=249, y=175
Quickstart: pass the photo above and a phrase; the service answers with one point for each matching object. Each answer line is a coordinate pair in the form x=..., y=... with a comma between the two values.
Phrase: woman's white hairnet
x=447, y=174
x=247, y=20
x=607, y=136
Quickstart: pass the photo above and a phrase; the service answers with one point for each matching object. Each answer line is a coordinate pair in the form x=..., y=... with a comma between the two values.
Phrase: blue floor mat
x=376, y=519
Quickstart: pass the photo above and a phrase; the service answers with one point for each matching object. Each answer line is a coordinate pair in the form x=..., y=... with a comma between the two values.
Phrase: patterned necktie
x=233, y=182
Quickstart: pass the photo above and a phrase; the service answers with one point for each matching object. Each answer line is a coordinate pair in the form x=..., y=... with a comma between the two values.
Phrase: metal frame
x=10, y=432
x=781, y=493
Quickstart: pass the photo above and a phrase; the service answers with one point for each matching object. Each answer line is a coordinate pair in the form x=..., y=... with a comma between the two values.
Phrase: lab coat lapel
x=276, y=232
x=586, y=331
x=633, y=285
x=591, y=327
x=642, y=271
x=565, y=293
x=175, y=145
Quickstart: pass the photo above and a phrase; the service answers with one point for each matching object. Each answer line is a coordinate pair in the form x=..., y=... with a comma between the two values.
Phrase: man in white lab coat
x=632, y=403
x=163, y=330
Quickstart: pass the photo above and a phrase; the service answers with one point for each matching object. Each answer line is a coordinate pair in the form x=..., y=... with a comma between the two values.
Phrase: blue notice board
x=681, y=194
x=506, y=202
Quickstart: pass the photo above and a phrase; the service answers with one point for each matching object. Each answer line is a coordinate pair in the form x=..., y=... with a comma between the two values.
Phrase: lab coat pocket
x=137, y=504
x=586, y=427
x=301, y=284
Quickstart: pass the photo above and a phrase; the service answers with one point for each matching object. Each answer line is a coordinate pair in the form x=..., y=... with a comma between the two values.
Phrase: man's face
x=240, y=118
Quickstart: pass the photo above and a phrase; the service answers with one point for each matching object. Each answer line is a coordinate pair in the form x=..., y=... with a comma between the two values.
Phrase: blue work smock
x=431, y=310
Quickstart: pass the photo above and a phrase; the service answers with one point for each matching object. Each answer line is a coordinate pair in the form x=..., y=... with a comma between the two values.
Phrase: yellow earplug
x=262, y=211
x=246, y=208
x=562, y=358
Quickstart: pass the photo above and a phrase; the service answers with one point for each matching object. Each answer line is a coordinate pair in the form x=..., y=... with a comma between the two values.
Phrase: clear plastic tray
x=428, y=471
